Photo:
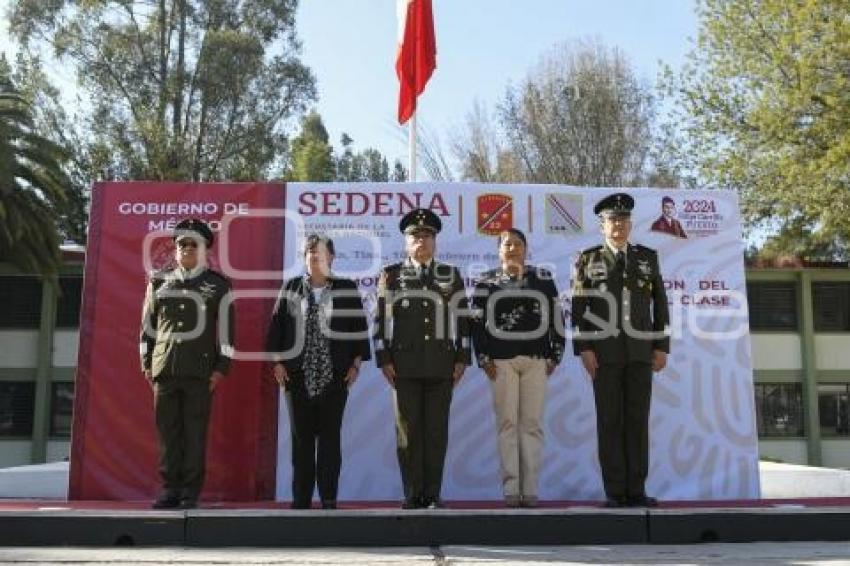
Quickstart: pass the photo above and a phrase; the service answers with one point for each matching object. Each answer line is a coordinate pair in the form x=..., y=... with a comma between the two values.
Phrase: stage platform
x=88, y=523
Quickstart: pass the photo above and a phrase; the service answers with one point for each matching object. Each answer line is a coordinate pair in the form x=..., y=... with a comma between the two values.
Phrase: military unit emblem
x=495, y=213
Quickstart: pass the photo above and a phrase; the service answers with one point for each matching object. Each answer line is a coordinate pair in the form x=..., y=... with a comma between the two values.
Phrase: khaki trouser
x=519, y=397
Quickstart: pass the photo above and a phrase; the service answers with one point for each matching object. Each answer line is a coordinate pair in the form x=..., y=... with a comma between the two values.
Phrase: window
x=68, y=308
x=833, y=409
x=17, y=403
x=831, y=306
x=779, y=409
x=773, y=305
x=61, y=409
x=21, y=300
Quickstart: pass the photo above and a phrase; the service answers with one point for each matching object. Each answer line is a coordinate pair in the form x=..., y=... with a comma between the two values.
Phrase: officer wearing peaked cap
x=422, y=347
x=620, y=283
x=420, y=219
x=618, y=204
x=194, y=229
x=184, y=357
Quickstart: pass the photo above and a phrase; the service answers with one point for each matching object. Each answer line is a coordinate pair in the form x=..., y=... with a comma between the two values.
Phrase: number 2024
x=700, y=206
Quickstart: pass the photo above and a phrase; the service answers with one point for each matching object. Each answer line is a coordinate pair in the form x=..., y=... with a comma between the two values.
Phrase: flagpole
x=411, y=142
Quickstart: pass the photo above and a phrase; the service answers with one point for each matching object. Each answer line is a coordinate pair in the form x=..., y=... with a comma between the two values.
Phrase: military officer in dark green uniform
x=620, y=329
x=185, y=356
x=422, y=347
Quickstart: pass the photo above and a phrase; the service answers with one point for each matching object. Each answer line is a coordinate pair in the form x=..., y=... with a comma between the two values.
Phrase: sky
x=483, y=46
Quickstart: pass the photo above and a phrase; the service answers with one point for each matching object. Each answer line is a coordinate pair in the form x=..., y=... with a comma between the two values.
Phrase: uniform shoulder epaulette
x=591, y=249
x=643, y=249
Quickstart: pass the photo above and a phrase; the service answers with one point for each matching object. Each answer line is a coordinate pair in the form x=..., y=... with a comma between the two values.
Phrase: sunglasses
x=187, y=244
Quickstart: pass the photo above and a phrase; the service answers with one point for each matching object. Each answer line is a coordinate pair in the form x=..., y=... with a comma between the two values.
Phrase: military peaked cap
x=420, y=219
x=193, y=228
x=618, y=204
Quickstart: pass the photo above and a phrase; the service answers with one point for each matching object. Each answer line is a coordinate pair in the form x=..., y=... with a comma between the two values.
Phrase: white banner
x=702, y=436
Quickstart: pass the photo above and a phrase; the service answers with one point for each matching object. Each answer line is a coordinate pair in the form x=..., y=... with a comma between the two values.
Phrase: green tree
x=52, y=121
x=399, y=174
x=32, y=186
x=375, y=165
x=367, y=165
x=312, y=155
x=763, y=107
x=179, y=89
x=347, y=167
x=313, y=158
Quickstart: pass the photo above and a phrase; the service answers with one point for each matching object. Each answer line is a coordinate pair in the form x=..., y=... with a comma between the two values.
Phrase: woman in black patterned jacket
x=318, y=337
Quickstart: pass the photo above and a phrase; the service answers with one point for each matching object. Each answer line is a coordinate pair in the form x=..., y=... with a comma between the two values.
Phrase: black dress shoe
x=642, y=501
x=188, y=503
x=301, y=505
x=328, y=504
x=411, y=503
x=433, y=503
x=166, y=501
x=612, y=502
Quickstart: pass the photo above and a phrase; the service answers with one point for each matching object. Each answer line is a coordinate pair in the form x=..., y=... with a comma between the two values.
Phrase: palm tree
x=32, y=186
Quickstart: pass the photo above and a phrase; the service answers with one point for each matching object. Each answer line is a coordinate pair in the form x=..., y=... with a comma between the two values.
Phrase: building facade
x=799, y=321
x=800, y=329
x=39, y=338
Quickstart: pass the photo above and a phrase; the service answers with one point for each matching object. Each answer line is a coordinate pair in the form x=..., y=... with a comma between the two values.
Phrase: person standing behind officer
x=620, y=283
x=518, y=343
x=185, y=357
x=422, y=347
x=318, y=336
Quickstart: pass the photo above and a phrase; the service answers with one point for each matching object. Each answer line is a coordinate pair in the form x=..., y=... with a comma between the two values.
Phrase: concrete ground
x=751, y=554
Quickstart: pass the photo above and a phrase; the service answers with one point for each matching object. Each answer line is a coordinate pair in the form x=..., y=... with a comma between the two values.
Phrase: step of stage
x=96, y=524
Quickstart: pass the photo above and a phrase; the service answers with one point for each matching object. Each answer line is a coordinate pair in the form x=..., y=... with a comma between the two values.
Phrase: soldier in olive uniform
x=185, y=356
x=422, y=347
x=620, y=325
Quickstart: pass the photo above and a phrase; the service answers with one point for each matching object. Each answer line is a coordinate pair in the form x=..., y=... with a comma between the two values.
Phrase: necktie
x=621, y=261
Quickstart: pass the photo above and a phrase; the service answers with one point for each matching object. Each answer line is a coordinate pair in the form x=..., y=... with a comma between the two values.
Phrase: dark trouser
x=622, y=395
x=422, y=433
x=182, y=408
x=316, y=453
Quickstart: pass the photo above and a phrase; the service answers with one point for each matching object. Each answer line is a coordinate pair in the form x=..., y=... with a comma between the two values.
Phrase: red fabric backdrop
x=114, y=449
